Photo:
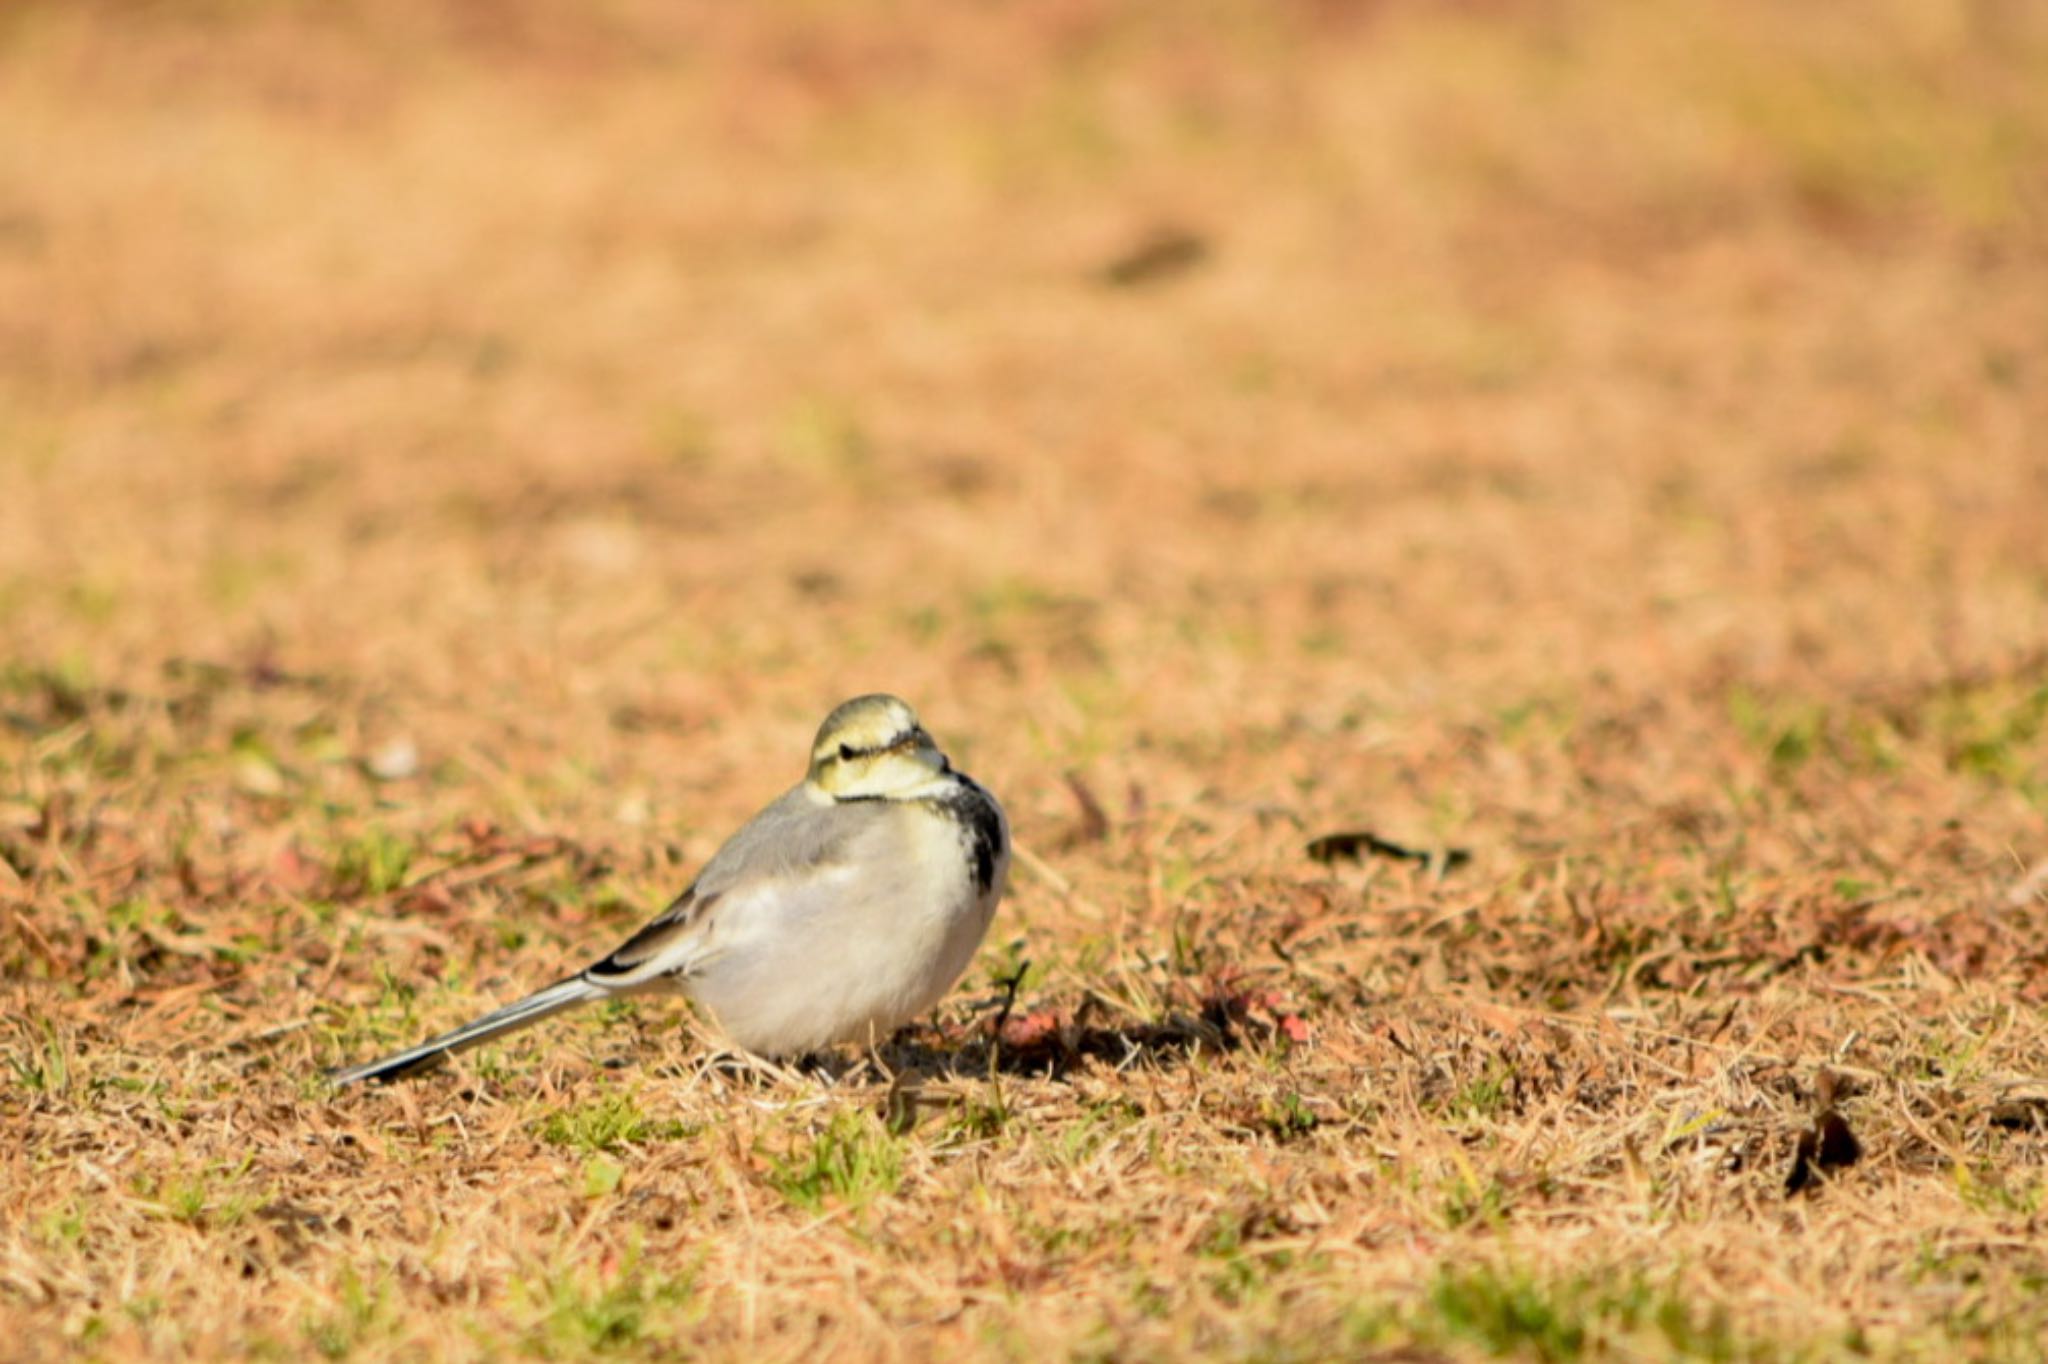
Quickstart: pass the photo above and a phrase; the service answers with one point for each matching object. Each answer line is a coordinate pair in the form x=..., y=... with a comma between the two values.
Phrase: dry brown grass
x=1602, y=436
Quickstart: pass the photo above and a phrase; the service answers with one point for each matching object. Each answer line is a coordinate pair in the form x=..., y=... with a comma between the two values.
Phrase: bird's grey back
x=794, y=834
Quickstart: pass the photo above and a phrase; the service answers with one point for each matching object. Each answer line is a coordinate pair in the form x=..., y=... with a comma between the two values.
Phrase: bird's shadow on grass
x=1042, y=1044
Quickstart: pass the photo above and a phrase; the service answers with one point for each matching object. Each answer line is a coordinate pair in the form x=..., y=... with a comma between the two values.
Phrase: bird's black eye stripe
x=848, y=752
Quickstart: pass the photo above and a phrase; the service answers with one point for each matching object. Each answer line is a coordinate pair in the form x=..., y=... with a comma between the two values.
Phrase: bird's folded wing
x=785, y=864
x=670, y=944
x=701, y=927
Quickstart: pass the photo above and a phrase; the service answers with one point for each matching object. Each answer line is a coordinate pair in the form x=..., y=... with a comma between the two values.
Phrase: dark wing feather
x=789, y=839
x=661, y=932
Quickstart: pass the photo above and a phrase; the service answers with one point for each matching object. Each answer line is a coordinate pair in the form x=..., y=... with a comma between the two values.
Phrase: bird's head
x=873, y=748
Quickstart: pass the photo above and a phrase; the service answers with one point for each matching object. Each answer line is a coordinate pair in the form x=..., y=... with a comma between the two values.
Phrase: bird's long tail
x=563, y=994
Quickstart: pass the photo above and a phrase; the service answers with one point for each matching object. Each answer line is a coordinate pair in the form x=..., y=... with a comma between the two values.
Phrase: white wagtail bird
x=842, y=911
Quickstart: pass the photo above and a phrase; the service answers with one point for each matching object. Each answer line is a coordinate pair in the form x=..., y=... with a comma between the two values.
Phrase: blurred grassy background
x=681, y=342
x=1091, y=371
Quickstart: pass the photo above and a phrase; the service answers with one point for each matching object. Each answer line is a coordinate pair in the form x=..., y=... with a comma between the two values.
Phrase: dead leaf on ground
x=1158, y=256
x=1356, y=844
x=1827, y=1146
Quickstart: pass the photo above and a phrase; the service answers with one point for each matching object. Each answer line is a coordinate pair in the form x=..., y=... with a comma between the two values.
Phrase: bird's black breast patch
x=981, y=830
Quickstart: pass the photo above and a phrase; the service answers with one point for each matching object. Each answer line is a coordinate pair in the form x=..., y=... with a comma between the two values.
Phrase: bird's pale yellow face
x=873, y=748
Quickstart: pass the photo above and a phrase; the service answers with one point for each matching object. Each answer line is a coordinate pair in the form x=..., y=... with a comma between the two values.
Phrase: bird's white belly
x=854, y=957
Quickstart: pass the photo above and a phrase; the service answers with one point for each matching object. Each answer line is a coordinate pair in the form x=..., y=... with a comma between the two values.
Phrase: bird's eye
x=846, y=752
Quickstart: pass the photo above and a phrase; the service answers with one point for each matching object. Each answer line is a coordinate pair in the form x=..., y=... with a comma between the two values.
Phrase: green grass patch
x=852, y=1161
x=608, y=1124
